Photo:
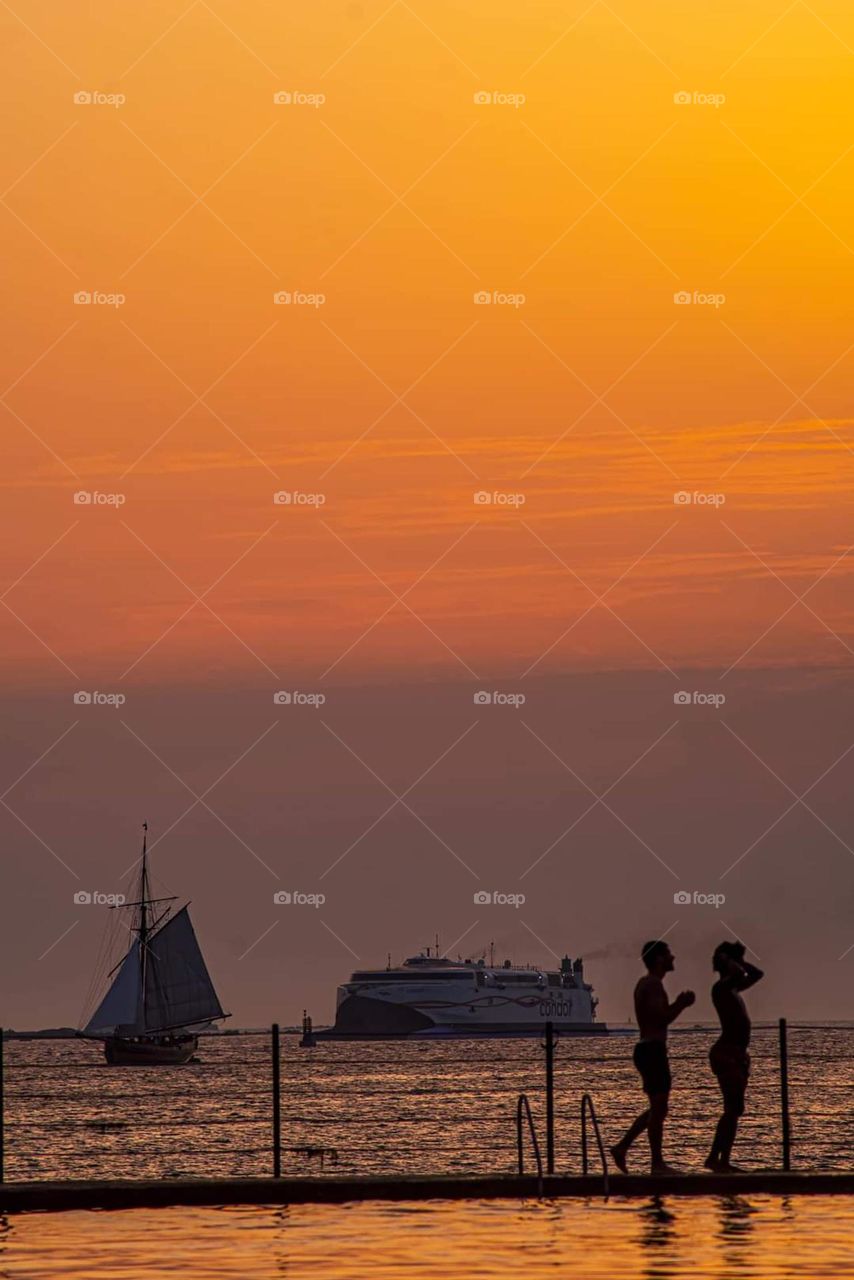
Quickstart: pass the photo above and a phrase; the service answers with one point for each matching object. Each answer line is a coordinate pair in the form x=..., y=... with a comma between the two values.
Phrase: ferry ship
x=430, y=996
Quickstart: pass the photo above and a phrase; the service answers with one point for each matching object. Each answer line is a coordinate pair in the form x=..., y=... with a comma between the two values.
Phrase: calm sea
x=762, y=1238
x=415, y=1107
x=390, y=1107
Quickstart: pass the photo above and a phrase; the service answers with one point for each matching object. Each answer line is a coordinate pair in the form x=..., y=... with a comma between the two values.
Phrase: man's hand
x=682, y=1001
x=742, y=974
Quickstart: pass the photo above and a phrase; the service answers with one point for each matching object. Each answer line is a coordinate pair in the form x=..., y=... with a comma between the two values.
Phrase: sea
x=420, y=1107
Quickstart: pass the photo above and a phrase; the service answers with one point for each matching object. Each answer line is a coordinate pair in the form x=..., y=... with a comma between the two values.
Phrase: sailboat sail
x=178, y=987
x=119, y=1010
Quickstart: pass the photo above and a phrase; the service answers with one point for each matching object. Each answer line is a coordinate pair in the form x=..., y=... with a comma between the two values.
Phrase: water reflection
x=702, y=1238
x=736, y=1230
x=658, y=1236
x=667, y=1250
x=5, y=1239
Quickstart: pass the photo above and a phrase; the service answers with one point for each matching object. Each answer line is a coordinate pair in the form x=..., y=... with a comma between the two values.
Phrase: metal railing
x=523, y=1105
x=252, y=1105
x=587, y=1106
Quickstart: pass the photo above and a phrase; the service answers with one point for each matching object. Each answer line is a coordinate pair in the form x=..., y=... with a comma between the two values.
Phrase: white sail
x=178, y=987
x=119, y=1010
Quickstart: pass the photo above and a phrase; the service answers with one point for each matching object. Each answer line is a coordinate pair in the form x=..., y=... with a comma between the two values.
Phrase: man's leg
x=620, y=1150
x=655, y=1129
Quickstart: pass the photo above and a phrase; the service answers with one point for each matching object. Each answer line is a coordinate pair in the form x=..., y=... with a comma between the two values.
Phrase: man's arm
x=683, y=1001
x=742, y=975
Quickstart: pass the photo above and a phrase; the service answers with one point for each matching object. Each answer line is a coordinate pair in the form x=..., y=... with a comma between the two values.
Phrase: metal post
x=784, y=1097
x=277, y=1102
x=550, y=1098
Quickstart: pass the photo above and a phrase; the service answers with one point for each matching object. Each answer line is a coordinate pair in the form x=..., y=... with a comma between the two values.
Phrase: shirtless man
x=654, y=1014
x=729, y=1057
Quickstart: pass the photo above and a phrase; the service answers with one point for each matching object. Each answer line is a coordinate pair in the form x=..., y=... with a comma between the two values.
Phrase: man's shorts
x=651, y=1060
x=731, y=1065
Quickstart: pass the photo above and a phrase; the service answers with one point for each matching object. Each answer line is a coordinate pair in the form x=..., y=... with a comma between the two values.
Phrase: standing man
x=729, y=1057
x=654, y=1014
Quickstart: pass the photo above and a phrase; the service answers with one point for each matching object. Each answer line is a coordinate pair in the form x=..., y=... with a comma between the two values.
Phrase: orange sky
x=631, y=151
x=397, y=199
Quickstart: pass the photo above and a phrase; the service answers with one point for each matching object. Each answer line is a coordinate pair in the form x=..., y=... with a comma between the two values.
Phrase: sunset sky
x=656, y=198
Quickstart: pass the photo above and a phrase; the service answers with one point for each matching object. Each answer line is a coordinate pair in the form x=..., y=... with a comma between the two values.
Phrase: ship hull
x=507, y=1031
x=362, y=1017
x=149, y=1052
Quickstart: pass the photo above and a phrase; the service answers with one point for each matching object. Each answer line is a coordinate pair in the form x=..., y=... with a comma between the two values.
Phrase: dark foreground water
x=426, y=1107
x=759, y=1237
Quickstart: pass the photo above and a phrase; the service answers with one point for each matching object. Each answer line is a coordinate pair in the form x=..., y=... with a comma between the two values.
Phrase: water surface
x=392, y=1107
x=704, y=1238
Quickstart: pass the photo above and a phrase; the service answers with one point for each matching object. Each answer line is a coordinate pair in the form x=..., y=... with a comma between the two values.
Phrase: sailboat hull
x=149, y=1051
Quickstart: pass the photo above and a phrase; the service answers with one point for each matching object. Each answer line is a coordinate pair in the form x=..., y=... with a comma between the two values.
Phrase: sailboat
x=161, y=994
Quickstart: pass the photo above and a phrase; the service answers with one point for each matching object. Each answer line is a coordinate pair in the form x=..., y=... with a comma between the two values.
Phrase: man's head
x=657, y=957
x=724, y=953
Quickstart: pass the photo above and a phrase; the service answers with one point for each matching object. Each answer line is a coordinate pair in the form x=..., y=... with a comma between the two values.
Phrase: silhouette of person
x=654, y=1013
x=729, y=1057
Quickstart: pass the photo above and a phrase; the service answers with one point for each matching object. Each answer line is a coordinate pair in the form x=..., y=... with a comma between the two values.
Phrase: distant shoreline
x=70, y=1033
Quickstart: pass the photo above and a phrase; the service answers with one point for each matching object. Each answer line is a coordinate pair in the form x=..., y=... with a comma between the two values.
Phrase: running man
x=654, y=1014
x=729, y=1057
